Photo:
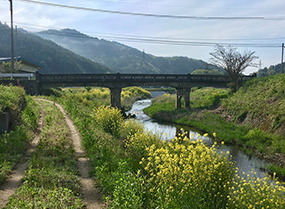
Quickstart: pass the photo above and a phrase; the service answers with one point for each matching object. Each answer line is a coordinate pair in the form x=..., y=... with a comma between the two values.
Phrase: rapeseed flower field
x=186, y=173
x=138, y=169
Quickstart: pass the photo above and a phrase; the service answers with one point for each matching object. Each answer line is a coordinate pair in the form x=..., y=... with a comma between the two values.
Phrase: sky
x=190, y=28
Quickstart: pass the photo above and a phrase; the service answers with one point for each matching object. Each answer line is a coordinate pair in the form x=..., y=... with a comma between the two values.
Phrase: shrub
x=128, y=191
x=109, y=119
x=187, y=174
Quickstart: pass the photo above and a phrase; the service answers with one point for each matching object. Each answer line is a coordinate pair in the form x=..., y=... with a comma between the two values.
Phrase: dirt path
x=90, y=195
x=14, y=180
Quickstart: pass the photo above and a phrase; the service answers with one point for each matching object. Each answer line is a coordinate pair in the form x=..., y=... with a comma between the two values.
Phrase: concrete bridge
x=115, y=82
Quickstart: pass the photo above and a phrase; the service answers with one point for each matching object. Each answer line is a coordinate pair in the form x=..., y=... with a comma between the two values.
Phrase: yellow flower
x=206, y=134
x=215, y=135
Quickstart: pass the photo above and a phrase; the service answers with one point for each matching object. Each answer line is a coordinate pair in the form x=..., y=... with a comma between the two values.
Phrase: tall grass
x=101, y=96
x=258, y=99
x=51, y=179
x=145, y=172
x=24, y=113
x=136, y=169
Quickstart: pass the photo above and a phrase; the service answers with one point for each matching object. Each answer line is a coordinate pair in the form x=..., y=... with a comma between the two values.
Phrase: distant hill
x=55, y=58
x=122, y=58
x=272, y=70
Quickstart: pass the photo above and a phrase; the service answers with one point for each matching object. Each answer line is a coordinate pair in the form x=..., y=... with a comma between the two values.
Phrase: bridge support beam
x=182, y=93
x=116, y=97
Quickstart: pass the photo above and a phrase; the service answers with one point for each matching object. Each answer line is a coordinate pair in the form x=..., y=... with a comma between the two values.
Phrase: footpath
x=90, y=195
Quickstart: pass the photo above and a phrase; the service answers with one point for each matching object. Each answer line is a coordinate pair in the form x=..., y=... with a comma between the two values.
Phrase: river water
x=168, y=131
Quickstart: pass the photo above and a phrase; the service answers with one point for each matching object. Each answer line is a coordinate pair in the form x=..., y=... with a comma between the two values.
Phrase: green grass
x=143, y=172
x=51, y=179
x=25, y=113
x=255, y=114
x=95, y=97
x=260, y=98
x=131, y=167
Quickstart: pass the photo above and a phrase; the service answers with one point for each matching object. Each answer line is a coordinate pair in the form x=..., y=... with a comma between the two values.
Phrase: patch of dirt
x=14, y=179
x=90, y=195
x=221, y=111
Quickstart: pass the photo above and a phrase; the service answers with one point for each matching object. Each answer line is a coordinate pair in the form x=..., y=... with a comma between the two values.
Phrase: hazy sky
x=190, y=28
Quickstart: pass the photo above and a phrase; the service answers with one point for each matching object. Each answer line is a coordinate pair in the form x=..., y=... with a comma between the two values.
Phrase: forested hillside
x=272, y=70
x=53, y=57
x=122, y=58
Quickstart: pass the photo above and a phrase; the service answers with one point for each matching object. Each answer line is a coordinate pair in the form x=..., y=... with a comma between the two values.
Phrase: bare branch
x=233, y=62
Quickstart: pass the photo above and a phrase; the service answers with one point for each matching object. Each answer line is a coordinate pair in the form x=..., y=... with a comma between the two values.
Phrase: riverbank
x=137, y=169
x=241, y=118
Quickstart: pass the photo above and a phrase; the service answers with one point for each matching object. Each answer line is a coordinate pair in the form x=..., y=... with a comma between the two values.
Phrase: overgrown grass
x=24, y=112
x=95, y=97
x=163, y=108
x=260, y=99
x=51, y=179
x=136, y=169
x=145, y=172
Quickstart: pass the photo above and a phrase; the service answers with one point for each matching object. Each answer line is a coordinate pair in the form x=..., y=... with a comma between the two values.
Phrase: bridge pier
x=115, y=97
x=182, y=93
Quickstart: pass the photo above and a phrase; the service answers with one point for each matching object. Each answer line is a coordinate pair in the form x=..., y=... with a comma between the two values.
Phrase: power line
x=171, y=41
x=155, y=15
x=157, y=37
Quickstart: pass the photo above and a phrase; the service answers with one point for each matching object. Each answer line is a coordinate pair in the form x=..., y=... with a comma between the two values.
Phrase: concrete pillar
x=185, y=93
x=179, y=95
x=116, y=97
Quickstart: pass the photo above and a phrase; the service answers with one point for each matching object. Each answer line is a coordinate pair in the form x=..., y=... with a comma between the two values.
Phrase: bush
x=109, y=119
x=187, y=174
x=24, y=114
x=128, y=191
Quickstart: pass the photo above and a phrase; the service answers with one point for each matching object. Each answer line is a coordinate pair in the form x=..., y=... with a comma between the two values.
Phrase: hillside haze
x=119, y=57
x=54, y=58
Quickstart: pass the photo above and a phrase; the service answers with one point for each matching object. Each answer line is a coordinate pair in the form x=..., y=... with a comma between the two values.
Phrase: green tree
x=206, y=72
x=7, y=66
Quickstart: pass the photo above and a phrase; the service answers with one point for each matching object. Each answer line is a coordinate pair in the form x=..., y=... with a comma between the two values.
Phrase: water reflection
x=168, y=131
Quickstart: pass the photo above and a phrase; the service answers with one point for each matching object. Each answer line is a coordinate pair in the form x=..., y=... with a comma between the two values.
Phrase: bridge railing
x=136, y=77
x=17, y=75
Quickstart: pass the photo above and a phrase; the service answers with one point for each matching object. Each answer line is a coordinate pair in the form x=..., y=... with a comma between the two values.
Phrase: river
x=168, y=131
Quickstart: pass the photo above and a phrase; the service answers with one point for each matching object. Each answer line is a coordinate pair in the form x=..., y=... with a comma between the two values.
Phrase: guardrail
x=17, y=75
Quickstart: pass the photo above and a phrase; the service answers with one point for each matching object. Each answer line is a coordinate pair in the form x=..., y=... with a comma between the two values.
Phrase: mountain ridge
x=122, y=58
x=55, y=58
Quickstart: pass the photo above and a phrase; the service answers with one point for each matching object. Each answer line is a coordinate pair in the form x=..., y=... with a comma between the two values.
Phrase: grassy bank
x=51, y=178
x=253, y=117
x=203, y=102
x=99, y=96
x=136, y=169
x=24, y=113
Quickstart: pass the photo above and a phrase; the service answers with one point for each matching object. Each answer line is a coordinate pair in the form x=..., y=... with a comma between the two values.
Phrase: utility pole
x=282, y=58
x=15, y=48
x=12, y=37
